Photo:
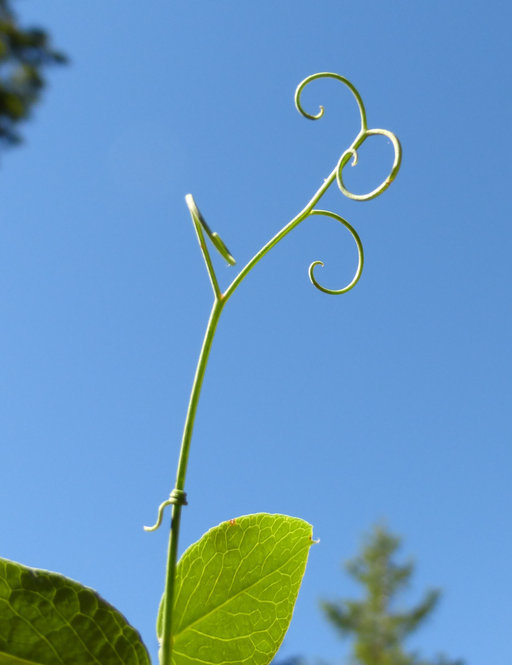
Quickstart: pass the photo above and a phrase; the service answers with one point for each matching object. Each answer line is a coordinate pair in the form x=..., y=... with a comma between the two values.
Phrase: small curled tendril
x=352, y=152
x=360, y=253
x=337, y=77
x=176, y=497
x=216, y=240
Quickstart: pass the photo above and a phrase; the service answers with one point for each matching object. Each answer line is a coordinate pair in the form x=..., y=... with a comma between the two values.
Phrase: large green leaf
x=236, y=589
x=48, y=619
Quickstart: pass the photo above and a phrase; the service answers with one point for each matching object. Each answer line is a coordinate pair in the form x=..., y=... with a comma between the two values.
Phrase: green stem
x=219, y=302
x=172, y=551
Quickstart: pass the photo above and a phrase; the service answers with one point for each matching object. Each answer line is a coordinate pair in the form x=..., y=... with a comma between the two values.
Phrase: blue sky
x=389, y=403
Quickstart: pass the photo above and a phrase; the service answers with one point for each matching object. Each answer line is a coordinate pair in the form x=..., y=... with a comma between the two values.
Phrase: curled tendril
x=337, y=77
x=352, y=152
x=176, y=497
x=360, y=254
x=217, y=241
x=364, y=133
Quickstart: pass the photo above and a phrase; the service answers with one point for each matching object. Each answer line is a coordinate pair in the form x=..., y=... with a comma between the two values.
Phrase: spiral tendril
x=176, y=497
x=337, y=77
x=352, y=151
x=360, y=254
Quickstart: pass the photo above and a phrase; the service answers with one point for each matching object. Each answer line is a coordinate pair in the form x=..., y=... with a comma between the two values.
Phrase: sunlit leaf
x=236, y=590
x=48, y=619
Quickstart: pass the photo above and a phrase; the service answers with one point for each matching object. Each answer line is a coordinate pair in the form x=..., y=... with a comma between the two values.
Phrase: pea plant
x=230, y=597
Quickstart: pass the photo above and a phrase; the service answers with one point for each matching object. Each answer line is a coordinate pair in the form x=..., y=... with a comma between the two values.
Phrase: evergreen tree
x=24, y=52
x=378, y=628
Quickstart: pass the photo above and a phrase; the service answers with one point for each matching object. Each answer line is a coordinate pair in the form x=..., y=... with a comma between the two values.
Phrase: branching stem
x=177, y=497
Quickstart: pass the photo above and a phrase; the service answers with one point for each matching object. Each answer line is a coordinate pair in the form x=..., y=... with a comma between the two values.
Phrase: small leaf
x=236, y=589
x=48, y=619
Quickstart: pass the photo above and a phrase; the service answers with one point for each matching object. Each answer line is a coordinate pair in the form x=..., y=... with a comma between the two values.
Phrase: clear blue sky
x=391, y=402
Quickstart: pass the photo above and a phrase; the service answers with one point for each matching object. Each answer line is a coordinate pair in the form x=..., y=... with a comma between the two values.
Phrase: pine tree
x=378, y=629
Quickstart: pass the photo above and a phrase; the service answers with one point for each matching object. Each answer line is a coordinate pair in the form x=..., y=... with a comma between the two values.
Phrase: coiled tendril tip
x=360, y=254
x=355, y=156
x=177, y=498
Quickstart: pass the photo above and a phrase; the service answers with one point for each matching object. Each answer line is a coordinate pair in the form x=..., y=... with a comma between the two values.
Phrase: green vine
x=178, y=497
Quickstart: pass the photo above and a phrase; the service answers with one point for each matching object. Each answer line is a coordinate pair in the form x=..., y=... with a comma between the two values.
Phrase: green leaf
x=236, y=589
x=48, y=619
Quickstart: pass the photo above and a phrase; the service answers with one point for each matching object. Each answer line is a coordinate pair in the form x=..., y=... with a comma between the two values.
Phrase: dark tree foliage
x=24, y=53
x=378, y=628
